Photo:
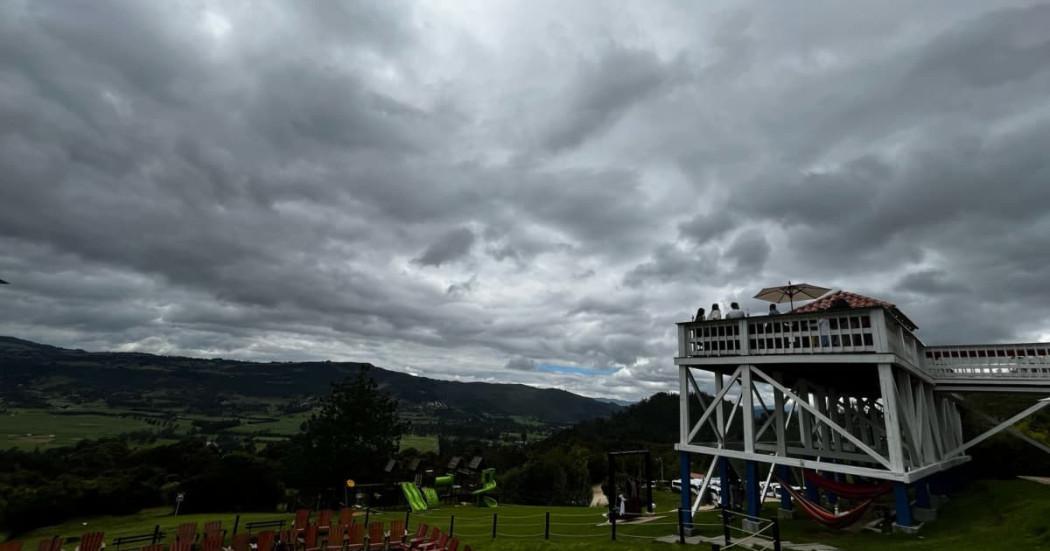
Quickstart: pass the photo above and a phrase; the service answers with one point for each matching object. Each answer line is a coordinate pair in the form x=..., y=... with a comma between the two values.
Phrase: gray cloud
x=451, y=246
x=430, y=190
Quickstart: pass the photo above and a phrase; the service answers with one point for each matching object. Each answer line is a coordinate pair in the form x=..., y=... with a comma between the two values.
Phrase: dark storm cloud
x=451, y=246
x=424, y=188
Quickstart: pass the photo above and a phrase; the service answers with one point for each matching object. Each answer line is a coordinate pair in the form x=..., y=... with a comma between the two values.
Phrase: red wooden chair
x=355, y=539
x=346, y=515
x=265, y=540
x=376, y=536
x=50, y=544
x=310, y=539
x=396, y=538
x=11, y=546
x=181, y=546
x=324, y=521
x=420, y=537
x=212, y=541
x=453, y=544
x=91, y=541
x=286, y=539
x=241, y=542
x=435, y=544
x=214, y=527
x=302, y=517
x=186, y=533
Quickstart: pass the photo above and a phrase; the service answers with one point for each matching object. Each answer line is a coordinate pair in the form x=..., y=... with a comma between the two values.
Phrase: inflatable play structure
x=429, y=490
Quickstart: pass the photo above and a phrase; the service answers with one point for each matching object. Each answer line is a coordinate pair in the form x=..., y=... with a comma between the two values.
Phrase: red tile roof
x=854, y=300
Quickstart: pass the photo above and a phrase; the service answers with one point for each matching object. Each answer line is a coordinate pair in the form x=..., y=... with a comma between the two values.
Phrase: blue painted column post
x=832, y=498
x=900, y=495
x=754, y=508
x=723, y=475
x=785, y=478
x=922, y=494
x=812, y=492
x=685, y=472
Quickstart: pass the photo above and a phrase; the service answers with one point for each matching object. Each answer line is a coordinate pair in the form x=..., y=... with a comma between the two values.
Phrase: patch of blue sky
x=575, y=370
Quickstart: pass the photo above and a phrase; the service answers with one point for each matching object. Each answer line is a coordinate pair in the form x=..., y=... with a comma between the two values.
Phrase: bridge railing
x=994, y=361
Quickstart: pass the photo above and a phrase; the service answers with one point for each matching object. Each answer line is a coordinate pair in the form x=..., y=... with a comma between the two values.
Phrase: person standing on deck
x=699, y=315
x=734, y=311
x=715, y=314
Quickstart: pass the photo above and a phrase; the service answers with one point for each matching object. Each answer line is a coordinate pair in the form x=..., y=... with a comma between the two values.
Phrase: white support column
x=778, y=423
x=889, y=411
x=718, y=405
x=683, y=404
x=749, y=410
x=805, y=429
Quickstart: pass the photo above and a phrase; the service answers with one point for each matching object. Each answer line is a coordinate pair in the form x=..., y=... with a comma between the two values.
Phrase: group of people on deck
x=733, y=313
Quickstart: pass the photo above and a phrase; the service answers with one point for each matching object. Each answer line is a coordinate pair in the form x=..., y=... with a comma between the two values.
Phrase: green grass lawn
x=28, y=429
x=421, y=442
x=990, y=515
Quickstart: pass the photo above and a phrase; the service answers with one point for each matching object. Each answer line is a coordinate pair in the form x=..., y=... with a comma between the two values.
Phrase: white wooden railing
x=993, y=361
x=853, y=331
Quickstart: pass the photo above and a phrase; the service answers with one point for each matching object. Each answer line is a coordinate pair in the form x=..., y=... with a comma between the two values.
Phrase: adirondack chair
x=436, y=544
x=241, y=542
x=346, y=515
x=50, y=544
x=302, y=517
x=186, y=533
x=265, y=540
x=310, y=538
x=396, y=538
x=286, y=539
x=420, y=537
x=91, y=541
x=376, y=536
x=214, y=527
x=11, y=546
x=212, y=541
x=355, y=540
x=453, y=544
x=181, y=546
x=324, y=521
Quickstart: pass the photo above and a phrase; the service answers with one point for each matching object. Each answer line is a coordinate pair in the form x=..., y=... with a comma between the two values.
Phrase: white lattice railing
x=819, y=333
x=995, y=361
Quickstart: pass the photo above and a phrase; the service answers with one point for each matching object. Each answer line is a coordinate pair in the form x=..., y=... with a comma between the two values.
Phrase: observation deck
x=863, y=335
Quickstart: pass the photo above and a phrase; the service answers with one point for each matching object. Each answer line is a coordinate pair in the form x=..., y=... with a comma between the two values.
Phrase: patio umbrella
x=788, y=293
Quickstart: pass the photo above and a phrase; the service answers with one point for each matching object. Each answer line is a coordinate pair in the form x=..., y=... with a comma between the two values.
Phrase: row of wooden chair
x=435, y=540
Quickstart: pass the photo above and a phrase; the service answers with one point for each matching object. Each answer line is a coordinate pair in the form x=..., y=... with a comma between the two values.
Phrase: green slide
x=432, y=497
x=488, y=484
x=413, y=497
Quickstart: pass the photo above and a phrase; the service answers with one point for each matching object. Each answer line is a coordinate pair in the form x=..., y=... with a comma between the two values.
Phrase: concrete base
x=751, y=525
x=923, y=514
x=913, y=529
x=785, y=514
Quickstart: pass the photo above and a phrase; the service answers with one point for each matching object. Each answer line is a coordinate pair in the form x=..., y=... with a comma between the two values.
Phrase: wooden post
x=889, y=411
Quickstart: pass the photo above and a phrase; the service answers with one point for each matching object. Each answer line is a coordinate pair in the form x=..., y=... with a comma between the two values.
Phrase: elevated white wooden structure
x=849, y=391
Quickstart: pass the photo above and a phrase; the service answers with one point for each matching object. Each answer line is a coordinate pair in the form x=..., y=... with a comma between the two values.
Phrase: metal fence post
x=681, y=528
x=236, y=523
x=547, y=526
x=494, y=521
x=612, y=516
x=156, y=534
x=407, y=513
x=451, y=525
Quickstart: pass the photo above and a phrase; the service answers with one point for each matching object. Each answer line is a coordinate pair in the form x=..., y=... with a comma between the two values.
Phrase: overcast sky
x=514, y=191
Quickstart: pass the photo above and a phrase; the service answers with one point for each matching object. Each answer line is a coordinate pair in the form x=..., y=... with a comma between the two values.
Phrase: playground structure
x=428, y=490
x=843, y=387
x=631, y=504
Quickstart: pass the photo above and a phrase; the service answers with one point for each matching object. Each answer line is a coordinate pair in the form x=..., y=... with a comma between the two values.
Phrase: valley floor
x=989, y=515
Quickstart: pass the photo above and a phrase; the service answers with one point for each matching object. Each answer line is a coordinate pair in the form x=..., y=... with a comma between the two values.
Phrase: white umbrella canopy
x=791, y=291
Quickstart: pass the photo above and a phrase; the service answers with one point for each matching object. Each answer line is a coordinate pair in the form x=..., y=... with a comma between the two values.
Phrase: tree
x=352, y=435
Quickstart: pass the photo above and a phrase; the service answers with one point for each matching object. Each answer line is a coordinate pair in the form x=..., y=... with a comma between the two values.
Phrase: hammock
x=849, y=491
x=822, y=515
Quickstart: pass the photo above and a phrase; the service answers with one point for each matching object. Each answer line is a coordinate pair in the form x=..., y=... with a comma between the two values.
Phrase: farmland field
x=29, y=429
